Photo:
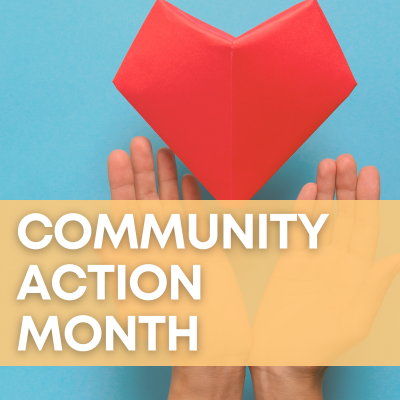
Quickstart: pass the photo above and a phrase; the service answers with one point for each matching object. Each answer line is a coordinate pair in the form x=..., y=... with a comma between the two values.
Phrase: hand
x=355, y=299
x=134, y=178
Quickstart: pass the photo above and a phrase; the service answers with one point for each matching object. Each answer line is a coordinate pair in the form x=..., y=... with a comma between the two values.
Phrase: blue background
x=60, y=117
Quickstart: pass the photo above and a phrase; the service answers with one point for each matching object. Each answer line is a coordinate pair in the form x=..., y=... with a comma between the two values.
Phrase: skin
x=338, y=177
x=134, y=178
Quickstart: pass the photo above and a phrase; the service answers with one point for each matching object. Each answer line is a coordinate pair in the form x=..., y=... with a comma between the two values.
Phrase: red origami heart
x=235, y=109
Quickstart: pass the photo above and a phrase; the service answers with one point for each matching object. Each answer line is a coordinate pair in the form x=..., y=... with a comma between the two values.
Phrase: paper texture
x=235, y=109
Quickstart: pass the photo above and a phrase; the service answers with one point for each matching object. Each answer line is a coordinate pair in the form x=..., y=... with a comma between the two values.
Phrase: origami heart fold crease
x=234, y=110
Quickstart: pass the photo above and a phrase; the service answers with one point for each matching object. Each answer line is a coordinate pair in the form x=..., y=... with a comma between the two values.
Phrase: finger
x=366, y=229
x=326, y=179
x=167, y=175
x=120, y=176
x=326, y=187
x=308, y=192
x=346, y=187
x=368, y=184
x=143, y=169
x=346, y=177
x=190, y=188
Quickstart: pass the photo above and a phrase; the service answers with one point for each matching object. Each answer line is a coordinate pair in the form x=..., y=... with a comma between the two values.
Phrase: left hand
x=134, y=178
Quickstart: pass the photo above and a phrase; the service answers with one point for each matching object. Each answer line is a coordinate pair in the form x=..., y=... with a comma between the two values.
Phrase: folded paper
x=235, y=109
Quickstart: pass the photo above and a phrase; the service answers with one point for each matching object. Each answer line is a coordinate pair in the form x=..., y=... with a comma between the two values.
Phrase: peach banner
x=200, y=283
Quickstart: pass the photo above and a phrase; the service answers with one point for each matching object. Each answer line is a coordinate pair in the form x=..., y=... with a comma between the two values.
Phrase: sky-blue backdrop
x=60, y=116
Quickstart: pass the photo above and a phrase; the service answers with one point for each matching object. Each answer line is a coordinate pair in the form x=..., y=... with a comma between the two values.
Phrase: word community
x=128, y=226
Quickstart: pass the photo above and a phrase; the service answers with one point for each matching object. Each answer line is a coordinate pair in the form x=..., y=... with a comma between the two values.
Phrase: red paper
x=235, y=109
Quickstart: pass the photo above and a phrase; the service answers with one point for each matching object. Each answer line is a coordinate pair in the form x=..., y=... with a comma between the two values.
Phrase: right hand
x=340, y=302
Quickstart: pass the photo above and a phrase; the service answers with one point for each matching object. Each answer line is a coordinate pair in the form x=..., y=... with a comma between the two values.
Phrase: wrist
x=287, y=383
x=217, y=383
